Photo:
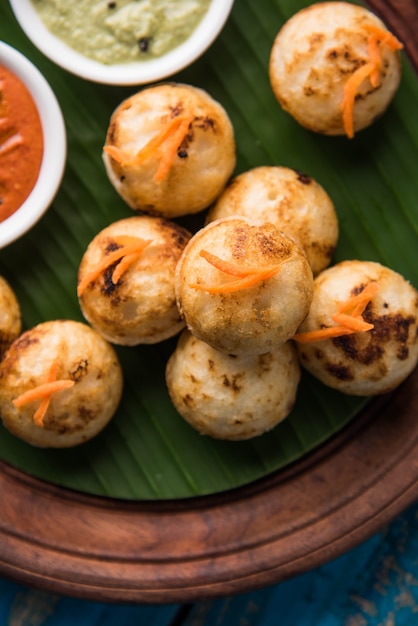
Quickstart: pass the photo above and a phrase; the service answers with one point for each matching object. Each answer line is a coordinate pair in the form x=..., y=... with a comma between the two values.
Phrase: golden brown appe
x=363, y=363
x=74, y=415
x=261, y=315
x=232, y=397
x=176, y=146
x=314, y=55
x=290, y=200
x=10, y=315
x=140, y=307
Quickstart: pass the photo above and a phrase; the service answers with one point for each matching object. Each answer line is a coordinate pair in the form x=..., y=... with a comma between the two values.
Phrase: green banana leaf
x=147, y=451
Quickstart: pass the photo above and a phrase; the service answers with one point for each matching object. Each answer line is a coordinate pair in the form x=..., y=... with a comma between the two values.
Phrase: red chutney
x=21, y=143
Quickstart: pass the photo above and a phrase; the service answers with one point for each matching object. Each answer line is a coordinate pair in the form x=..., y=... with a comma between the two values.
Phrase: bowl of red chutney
x=32, y=145
x=122, y=42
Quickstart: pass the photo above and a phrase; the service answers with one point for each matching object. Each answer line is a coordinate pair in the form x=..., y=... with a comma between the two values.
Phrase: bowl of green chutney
x=122, y=42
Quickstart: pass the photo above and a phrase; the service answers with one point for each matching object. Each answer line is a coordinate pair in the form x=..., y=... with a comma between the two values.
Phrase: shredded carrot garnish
x=123, y=265
x=118, y=155
x=248, y=276
x=43, y=393
x=155, y=142
x=351, y=322
x=350, y=92
x=38, y=416
x=376, y=59
x=165, y=144
x=236, y=285
x=170, y=149
x=321, y=334
x=385, y=36
x=356, y=304
x=130, y=249
x=348, y=318
x=371, y=70
x=231, y=268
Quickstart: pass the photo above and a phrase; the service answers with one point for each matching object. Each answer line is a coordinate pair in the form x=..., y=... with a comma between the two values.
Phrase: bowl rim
x=55, y=146
x=135, y=73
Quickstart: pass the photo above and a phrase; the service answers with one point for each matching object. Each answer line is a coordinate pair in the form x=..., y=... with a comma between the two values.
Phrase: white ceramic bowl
x=130, y=73
x=55, y=146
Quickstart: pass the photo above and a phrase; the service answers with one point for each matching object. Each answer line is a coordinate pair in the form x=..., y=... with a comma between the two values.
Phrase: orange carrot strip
x=379, y=36
x=172, y=135
x=125, y=159
x=229, y=267
x=349, y=321
x=118, y=155
x=375, y=58
x=348, y=325
x=128, y=259
x=347, y=317
x=323, y=333
x=384, y=36
x=170, y=149
x=57, y=385
x=350, y=92
x=108, y=260
x=41, y=391
x=136, y=247
x=235, y=285
x=38, y=416
x=355, y=305
x=248, y=276
x=52, y=374
x=369, y=70
x=158, y=139
x=128, y=240
x=124, y=263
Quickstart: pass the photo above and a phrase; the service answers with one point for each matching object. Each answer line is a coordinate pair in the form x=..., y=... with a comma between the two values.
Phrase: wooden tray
x=183, y=550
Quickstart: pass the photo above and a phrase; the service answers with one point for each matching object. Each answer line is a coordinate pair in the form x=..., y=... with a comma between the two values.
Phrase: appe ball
x=290, y=200
x=370, y=362
x=10, y=315
x=335, y=67
x=169, y=150
x=139, y=306
x=230, y=397
x=86, y=370
x=243, y=287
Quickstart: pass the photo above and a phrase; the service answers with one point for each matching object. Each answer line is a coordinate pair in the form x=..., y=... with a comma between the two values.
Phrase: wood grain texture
x=193, y=549
x=205, y=547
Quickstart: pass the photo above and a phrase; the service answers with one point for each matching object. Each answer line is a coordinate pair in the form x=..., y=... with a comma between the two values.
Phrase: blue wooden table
x=374, y=584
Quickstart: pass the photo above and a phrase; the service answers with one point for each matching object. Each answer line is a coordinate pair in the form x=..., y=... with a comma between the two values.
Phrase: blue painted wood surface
x=375, y=584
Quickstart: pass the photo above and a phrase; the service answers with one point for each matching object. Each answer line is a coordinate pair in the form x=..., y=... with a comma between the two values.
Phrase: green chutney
x=122, y=31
